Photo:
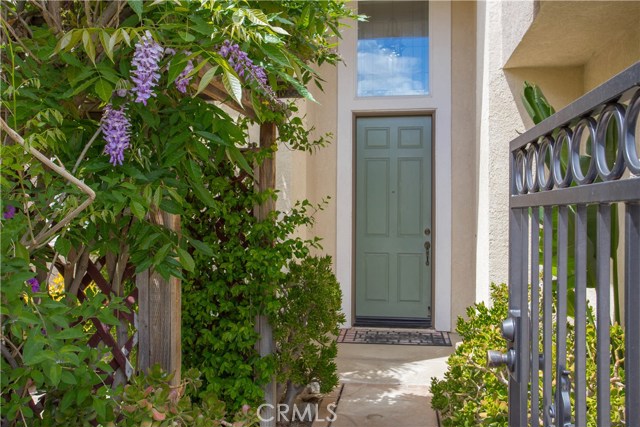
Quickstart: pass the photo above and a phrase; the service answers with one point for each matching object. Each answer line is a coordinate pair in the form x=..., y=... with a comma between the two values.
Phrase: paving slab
x=384, y=405
x=384, y=386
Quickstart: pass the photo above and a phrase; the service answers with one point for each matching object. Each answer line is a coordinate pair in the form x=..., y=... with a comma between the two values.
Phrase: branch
x=42, y=237
x=82, y=265
x=85, y=149
x=108, y=14
x=52, y=21
x=18, y=40
x=8, y=356
x=88, y=14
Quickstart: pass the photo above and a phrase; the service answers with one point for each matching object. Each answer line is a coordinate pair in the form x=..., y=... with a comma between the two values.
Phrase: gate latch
x=497, y=358
x=563, y=401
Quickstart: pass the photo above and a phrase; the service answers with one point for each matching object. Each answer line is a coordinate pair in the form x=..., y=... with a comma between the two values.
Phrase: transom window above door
x=393, y=48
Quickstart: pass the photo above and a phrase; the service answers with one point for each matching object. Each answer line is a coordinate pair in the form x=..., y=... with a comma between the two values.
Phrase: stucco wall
x=572, y=47
x=463, y=157
x=321, y=165
x=621, y=50
x=499, y=123
x=561, y=85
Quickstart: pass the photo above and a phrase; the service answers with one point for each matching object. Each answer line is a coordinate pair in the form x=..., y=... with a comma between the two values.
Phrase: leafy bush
x=306, y=326
x=472, y=394
x=47, y=365
x=150, y=401
x=234, y=282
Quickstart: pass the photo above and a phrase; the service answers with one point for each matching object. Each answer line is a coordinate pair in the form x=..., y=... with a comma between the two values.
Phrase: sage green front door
x=393, y=218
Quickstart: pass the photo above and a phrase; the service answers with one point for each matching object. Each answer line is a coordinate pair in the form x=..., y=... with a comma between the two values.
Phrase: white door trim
x=439, y=101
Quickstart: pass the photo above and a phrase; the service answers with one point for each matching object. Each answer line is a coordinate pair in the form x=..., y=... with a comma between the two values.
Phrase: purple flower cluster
x=243, y=65
x=35, y=285
x=9, y=213
x=115, y=129
x=146, y=57
x=182, y=81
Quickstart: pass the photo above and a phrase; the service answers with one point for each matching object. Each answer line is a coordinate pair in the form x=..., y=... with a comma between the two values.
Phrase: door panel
x=393, y=210
x=377, y=197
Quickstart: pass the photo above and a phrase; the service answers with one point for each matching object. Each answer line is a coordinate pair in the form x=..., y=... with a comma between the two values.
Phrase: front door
x=394, y=256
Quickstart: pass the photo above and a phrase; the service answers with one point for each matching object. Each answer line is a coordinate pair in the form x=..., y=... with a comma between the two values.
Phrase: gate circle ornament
x=565, y=134
x=629, y=134
x=531, y=164
x=589, y=124
x=615, y=111
x=546, y=146
x=518, y=172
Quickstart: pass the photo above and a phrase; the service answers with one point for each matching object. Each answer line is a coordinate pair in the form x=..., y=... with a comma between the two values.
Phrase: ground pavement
x=384, y=386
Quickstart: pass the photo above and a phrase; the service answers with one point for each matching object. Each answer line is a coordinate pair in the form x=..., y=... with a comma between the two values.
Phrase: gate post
x=267, y=180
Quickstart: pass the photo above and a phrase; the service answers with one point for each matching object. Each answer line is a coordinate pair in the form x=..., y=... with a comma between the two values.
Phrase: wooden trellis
x=121, y=343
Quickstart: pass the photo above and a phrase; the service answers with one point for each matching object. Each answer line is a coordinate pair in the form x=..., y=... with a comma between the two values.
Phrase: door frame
x=392, y=322
x=437, y=101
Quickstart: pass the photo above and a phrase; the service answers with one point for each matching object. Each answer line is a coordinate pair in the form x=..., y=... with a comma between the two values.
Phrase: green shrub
x=472, y=394
x=306, y=326
x=150, y=401
x=235, y=281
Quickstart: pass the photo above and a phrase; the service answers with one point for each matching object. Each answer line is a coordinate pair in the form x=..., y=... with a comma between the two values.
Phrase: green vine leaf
x=206, y=79
x=104, y=89
x=233, y=86
x=89, y=48
x=137, y=6
x=186, y=260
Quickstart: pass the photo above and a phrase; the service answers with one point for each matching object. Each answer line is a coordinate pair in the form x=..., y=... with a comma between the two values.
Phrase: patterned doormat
x=398, y=337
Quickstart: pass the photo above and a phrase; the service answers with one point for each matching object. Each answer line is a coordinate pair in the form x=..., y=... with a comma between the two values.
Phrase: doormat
x=397, y=337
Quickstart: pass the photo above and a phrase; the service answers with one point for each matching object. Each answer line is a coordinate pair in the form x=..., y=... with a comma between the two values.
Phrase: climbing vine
x=112, y=91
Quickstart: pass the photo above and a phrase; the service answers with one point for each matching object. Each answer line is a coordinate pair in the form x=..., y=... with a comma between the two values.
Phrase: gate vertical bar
x=517, y=386
x=632, y=314
x=547, y=320
x=580, y=308
x=561, y=337
x=603, y=314
x=535, y=316
x=523, y=349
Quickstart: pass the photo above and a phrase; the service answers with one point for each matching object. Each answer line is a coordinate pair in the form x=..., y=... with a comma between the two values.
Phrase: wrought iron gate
x=565, y=171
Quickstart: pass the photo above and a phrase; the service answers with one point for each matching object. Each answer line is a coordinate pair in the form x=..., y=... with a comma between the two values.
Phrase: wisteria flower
x=145, y=76
x=244, y=66
x=115, y=130
x=182, y=81
x=35, y=285
x=9, y=213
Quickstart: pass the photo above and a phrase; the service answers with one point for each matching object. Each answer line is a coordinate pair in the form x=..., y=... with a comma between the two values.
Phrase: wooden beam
x=215, y=91
x=159, y=315
x=267, y=180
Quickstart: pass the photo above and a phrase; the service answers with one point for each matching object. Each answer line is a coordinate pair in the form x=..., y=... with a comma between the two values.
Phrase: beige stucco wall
x=463, y=157
x=291, y=164
x=321, y=165
x=499, y=24
x=561, y=85
x=572, y=47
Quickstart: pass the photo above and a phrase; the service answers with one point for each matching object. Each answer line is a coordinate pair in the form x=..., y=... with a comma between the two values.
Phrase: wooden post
x=266, y=181
x=159, y=316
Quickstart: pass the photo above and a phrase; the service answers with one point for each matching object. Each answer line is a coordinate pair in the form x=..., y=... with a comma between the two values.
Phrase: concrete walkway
x=384, y=386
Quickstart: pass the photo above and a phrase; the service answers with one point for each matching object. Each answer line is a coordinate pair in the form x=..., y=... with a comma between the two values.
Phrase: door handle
x=427, y=249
